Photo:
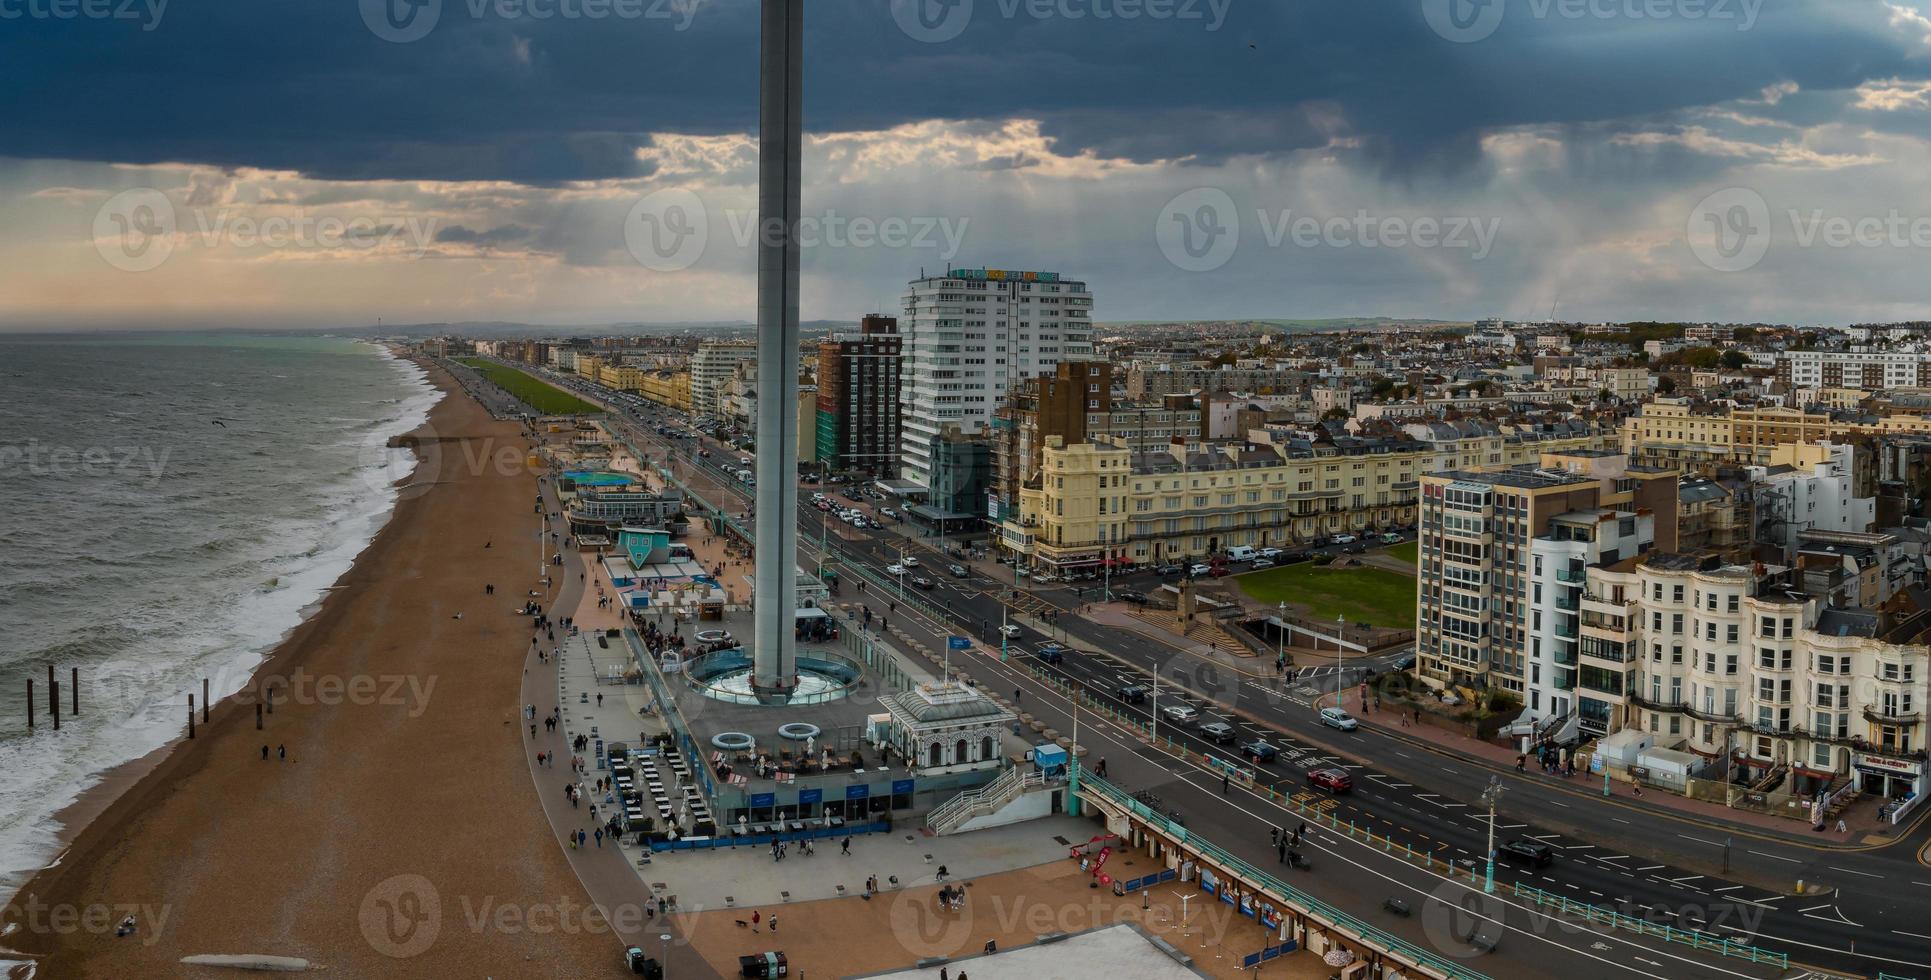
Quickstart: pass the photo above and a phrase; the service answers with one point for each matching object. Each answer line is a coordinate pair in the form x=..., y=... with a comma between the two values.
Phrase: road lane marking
x=1776, y=857
x=1848, y=871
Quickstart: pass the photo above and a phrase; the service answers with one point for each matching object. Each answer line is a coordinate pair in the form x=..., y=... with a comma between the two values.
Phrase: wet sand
x=401, y=835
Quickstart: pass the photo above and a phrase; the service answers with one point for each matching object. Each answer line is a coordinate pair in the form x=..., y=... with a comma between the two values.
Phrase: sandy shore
x=400, y=837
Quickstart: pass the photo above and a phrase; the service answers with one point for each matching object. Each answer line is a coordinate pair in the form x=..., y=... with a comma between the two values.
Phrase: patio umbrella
x=1337, y=957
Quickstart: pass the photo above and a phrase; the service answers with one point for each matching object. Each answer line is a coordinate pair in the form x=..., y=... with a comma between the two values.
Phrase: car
x=1268, y=553
x=922, y=582
x=1168, y=570
x=1344, y=539
x=1199, y=570
x=1405, y=663
x=1259, y=750
x=1260, y=563
x=1009, y=630
x=1356, y=549
x=1180, y=714
x=888, y=512
x=958, y=571
x=1533, y=853
x=1218, y=571
x=1133, y=694
x=910, y=561
x=1218, y=731
x=1128, y=595
x=895, y=569
x=1332, y=780
x=1338, y=718
x=1391, y=538
x=1052, y=653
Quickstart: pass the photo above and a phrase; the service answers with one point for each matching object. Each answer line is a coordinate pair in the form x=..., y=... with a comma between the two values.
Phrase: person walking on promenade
x=1280, y=850
x=264, y=752
x=774, y=922
x=1223, y=784
x=599, y=837
x=281, y=751
x=845, y=847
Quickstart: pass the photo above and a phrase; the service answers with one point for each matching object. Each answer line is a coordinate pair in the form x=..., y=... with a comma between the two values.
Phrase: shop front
x=1890, y=777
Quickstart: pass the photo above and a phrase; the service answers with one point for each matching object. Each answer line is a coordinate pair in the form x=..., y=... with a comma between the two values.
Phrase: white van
x=1242, y=553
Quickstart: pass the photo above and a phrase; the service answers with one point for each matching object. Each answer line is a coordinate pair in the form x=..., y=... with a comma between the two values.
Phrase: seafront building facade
x=711, y=368
x=969, y=335
x=857, y=408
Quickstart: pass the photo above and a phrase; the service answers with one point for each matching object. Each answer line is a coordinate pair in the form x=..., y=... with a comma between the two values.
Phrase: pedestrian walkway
x=1861, y=825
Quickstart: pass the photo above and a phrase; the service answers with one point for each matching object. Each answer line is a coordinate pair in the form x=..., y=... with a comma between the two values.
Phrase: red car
x=1332, y=780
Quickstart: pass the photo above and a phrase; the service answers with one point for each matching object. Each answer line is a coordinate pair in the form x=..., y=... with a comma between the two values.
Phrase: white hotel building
x=970, y=334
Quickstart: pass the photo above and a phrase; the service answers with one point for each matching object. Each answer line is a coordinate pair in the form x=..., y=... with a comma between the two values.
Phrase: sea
x=171, y=506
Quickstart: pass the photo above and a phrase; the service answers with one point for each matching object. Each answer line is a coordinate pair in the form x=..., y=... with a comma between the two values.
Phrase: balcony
x=1575, y=575
x=1877, y=716
x=1566, y=604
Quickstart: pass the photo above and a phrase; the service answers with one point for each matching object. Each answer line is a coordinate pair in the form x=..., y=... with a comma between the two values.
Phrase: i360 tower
x=774, y=671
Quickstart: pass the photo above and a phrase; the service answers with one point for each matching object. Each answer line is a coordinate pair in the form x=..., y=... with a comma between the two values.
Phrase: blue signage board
x=901, y=786
x=857, y=792
x=763, y=799
x=811, y=796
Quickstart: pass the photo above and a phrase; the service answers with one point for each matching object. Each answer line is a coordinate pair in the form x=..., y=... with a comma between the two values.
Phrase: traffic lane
x=1250, y=838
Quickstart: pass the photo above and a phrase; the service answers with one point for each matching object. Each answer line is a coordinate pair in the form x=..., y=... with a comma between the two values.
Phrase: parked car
x=1133, y=694
x=1260, y=563
x=1533, y=853
x=1268, y=553
x=1218, y=571
x=958, y=571
x=1259, y=750
x=1337, y=718
x=1180, y=714
x=1168, y=570
x=1391, y=538
x=1332, y=780
x=1199, y=570
x=888, y=512
x=1128, y=595
x=1345, y=539
x=1218, y=731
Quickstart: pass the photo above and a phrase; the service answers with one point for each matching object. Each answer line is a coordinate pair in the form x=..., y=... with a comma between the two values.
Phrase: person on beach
x=282, y=751
x=264, y=752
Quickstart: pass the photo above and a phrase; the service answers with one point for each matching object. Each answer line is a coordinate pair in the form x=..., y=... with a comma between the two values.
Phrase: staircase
x=1010, y=785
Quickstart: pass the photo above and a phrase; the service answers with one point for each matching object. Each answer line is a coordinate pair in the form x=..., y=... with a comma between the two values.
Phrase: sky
x=200, y=163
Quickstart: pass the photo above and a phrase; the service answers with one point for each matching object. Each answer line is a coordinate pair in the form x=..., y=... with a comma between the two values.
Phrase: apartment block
x=1869, y=370
x=970, y=334
x=857, y=411
x=1478, y=611
x=711, y=368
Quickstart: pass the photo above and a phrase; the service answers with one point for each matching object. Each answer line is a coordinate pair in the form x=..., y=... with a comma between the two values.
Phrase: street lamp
x=1491, y=796
x=1280, y=638
x=1340, y=682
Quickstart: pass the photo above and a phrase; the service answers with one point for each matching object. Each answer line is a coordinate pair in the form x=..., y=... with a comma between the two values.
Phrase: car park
x=1533, y=853
x=1218, y=731
x=1332, y=780
x=1259, y=750
x=1338, y=718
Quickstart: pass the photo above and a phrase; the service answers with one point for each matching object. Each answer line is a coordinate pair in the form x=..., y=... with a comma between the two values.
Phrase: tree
x=1734, y=359
x=1334, y=414
x=1665, y=385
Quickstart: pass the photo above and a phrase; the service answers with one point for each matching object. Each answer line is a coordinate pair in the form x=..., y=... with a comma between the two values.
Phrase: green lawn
x=1408, y=551
x=1364, y=594
x=540, y=395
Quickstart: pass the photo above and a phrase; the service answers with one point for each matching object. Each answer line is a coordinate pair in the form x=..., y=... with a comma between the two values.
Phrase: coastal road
x=1611, y=852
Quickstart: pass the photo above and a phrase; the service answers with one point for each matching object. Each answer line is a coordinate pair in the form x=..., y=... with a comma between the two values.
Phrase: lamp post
x=1490, y=796
x=1340, y=683
x=1003, y=609
x=1280, y=636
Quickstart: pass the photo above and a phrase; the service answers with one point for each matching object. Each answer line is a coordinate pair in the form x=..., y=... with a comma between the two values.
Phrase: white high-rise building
x=711, y=367
x=970, y=334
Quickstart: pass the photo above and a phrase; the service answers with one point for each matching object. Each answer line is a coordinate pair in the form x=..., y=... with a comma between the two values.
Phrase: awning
x=931, y=513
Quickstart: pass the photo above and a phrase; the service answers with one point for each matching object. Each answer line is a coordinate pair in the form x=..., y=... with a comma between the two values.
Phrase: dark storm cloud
x=310, y=87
